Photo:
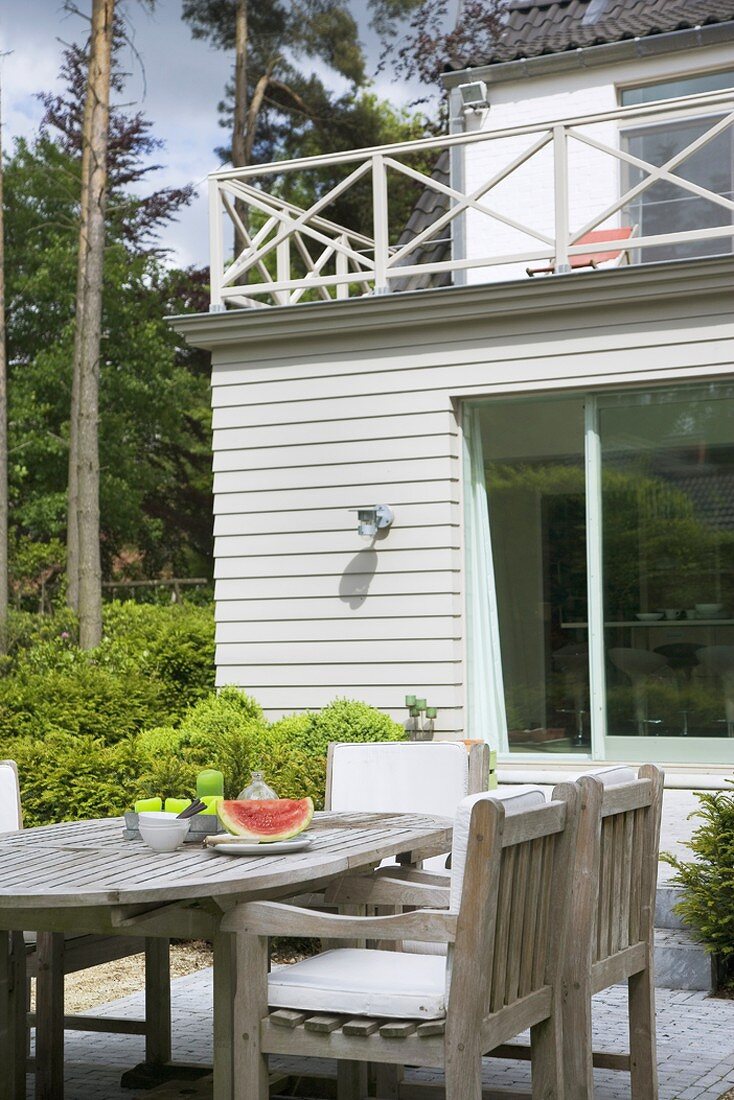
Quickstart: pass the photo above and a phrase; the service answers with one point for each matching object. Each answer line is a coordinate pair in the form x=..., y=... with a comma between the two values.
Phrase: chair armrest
x=270, y=918
x=387, y=890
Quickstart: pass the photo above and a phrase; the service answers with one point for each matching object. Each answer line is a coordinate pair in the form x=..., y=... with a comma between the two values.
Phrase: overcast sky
x=184, y=80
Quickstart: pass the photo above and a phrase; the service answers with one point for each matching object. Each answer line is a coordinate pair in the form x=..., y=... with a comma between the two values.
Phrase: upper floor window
x=664, y=207
x=672, y=89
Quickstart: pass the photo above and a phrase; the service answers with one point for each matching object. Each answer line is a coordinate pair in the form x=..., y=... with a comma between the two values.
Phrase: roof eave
x=587, y=57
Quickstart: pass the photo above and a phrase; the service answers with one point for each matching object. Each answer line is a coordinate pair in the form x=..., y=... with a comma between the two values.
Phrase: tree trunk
x=3, y=425
x=89, y=312
x=239, y=147
x=72, y=526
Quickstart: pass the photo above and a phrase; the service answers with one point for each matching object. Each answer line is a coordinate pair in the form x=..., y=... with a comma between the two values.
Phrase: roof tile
x=536, y=27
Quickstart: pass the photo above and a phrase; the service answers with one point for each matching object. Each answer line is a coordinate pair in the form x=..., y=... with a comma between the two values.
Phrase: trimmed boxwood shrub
x=70, y=776
x=152, y=665
x=708, y=880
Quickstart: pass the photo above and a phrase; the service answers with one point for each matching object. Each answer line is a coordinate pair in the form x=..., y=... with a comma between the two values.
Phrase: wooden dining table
x=84, y=878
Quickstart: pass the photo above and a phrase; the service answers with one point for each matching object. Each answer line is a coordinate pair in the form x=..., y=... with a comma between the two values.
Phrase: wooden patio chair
x=50, y=956
x=613, y=923
x=610, y=258
x=611, y=938
x=505, y=931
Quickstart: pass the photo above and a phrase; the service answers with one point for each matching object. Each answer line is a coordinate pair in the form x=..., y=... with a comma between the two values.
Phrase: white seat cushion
x=357, y=982
x=612, y=777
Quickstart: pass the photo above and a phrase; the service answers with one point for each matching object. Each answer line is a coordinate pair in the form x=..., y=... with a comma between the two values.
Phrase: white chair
x=49, y=956
x=639, y=665
x=505, y=930
x=421, y=777
x=11, y=815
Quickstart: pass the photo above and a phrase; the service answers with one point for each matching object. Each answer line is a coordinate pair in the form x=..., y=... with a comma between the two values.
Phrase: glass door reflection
x=534, y=474
x=668, y=561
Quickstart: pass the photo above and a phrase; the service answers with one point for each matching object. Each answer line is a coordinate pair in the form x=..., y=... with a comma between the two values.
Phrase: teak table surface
x=83, y=877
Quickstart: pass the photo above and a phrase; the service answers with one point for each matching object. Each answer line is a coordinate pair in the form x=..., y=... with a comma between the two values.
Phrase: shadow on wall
x=357, y=578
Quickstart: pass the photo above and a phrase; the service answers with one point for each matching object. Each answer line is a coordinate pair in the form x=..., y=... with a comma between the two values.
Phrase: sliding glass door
x=533, y=453
x=609, y=526
x=668, y=566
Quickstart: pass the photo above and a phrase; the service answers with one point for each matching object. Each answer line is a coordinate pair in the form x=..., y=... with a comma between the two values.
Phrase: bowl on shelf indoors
x=649, y=616
x=709, y=610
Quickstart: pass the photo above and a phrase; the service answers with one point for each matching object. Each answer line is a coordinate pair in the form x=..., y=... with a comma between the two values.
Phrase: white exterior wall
x=594, y=177
x=321, y=408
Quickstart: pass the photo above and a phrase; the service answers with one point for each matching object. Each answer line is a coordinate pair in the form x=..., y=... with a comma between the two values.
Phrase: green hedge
x=152, y=665
x=92, y=731
x=67, y=776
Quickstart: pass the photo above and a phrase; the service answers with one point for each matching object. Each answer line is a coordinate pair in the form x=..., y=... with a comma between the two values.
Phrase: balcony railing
x=286, y=254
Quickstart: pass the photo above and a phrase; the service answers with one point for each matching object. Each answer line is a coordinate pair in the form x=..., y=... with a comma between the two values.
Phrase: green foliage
x=67, y=778
x=154, y=418
x=152, y=665
x=84, y=770
x=708, y=880
x=297, y=763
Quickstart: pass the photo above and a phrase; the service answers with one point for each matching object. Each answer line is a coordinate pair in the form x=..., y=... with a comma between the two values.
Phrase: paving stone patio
x=695, y=1045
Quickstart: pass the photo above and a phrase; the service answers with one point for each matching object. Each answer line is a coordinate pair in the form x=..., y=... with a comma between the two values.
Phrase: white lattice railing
x=287, y=253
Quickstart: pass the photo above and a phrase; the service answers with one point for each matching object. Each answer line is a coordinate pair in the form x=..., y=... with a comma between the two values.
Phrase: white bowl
x=157, y=818
x=163, y=836
x=709, y=608
x=649, y=616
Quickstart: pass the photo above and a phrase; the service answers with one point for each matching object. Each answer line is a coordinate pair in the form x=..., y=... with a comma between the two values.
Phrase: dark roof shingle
x=536, y=27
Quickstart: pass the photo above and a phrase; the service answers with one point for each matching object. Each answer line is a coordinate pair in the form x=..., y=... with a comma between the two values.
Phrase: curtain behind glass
x=485, y=695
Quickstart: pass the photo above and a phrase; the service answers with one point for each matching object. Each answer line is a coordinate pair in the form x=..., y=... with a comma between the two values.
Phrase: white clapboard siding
x=409, y=448
x=400, y=540
x=392, y=651
x=351, y=676
x=402, y=384
x=511, y=343
x=410, y=518
x=339, y=496
x=358, y=430
x=354, y=629
x=300, y=477
x=230, y=414
x=406, y=608
x=356, y=587
x=388, y=697
x=356, y=562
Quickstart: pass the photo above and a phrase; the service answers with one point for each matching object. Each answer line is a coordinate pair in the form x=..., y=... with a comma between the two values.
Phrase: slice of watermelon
x=266, y=819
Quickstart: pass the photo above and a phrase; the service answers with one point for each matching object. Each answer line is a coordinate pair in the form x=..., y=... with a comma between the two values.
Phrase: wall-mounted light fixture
x=474, y=96
x=374, y=519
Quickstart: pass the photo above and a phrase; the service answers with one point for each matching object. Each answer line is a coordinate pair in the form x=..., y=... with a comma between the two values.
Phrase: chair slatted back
x=620, y=837
x=515, y=903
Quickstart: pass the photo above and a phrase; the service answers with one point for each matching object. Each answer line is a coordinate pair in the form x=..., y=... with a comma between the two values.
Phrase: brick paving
x=695, y=1045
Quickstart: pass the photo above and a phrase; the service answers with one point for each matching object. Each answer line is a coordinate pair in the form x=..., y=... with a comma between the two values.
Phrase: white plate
x=246, y=848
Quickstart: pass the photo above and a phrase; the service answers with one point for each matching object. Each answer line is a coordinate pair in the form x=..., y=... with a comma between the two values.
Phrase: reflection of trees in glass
x=657, y=552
